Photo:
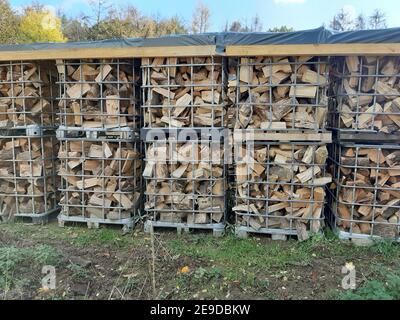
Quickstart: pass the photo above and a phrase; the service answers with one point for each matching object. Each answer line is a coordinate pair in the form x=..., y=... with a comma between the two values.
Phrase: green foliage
x=9, y=24
x=78, y=272
x=387, y=289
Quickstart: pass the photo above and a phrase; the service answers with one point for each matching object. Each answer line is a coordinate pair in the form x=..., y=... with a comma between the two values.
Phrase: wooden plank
x=260, y=135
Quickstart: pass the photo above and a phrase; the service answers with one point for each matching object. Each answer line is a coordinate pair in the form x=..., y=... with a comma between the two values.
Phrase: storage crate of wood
x=98, y=94
x=365, y=95
x=366, y=200
x=280, y=188
x=101, y=179
x=185, y=185
x=28, y=176
x=183, y=92
x=26, y=94
x=280, y=93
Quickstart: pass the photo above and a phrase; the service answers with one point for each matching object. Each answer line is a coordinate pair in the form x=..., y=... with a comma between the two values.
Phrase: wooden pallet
x=218, y=229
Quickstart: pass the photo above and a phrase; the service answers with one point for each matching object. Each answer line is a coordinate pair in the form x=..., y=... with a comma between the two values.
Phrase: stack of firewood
x=367, y=91
x=98, y=94
x=100, y=179
x=185, y=182
x=281, y=186
x=183, y=92
x=26, y=95
x=368, y=190
x=28, y=175
x=279, y=93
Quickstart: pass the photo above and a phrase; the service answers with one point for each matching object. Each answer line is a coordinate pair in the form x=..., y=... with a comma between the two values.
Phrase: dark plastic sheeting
x=223, y=39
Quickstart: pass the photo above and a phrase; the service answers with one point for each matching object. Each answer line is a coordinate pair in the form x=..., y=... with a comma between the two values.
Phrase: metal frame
x=216, y=64
x=339, y=96
x=251, y=185
x=19, y=103
x=45, y=148
x=122, y=140
x=154, y=194
x=350, y=173
x=97, y=102
x=246, y=99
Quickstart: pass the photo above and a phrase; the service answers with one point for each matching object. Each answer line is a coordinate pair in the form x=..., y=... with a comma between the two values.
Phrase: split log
x=28, y=175
x=281, y=186
x=101, y=179
x=369, y=190
x=279, y=93
x=185, y=182
x=98, y=94
x=183, y=92
x=26, y=94
x=368, y=93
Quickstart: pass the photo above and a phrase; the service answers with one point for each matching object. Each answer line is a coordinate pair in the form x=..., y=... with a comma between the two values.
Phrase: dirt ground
x=104, y=264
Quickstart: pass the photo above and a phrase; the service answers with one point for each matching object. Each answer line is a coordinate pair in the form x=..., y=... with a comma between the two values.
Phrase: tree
x=359, y=23
x=40, y=25
x=75, y=29
x=342, y=21
x=235, y=26
x=377, y=20
x=201, y=18
x=9, y=24
x=256, y=24
x=281, y=29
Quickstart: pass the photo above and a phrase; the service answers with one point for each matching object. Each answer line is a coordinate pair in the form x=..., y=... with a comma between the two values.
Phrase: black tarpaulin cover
x=223, y=39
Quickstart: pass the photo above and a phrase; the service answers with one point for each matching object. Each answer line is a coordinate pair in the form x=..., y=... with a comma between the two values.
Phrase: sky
x=299, y=14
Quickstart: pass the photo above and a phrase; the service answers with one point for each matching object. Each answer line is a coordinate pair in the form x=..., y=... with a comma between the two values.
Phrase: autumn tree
x=201, y=18
x=40, y=25
x=9, y=24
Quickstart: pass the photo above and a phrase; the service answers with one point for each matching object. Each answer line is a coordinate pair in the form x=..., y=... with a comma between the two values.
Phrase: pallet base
x=36, y=219
x=92, y=223
x=218, y=229
x=365, y=238
x=276, y=234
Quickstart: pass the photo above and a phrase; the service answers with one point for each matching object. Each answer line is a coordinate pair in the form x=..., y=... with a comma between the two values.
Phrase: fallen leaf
x=185, y=269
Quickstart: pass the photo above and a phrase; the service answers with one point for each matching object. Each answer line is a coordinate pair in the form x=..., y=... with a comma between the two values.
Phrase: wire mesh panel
x=26, y=94
x=185, y=183
x=28, y=176
x=183, y=92
x=280, y=93
x=365, y=94
x=101, y=179
x=98, y=94
x=280, y=188
x=366, y=202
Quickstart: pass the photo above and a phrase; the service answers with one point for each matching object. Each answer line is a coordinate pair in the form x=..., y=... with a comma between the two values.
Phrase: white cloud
x=289, y=1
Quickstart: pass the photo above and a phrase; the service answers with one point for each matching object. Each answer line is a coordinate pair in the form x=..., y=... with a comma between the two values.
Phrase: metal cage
x=280, y=94
x=280, y=188
x=365, y=95
x=101, y=179
x=365, y=202
x=28, y=176
x=98, y=94
x=26, y=94
x=186, y=184
x=184, y=92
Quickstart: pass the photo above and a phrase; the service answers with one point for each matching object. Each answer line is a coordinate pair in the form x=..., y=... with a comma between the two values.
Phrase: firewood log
x=367, y=93
x=185, y=182
x=98, y=94
x=28, y=175
x=26, y=94
x=100, y=179
x=183, y=92
x=281, y=186
x=368, y=190
x=279, y=93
